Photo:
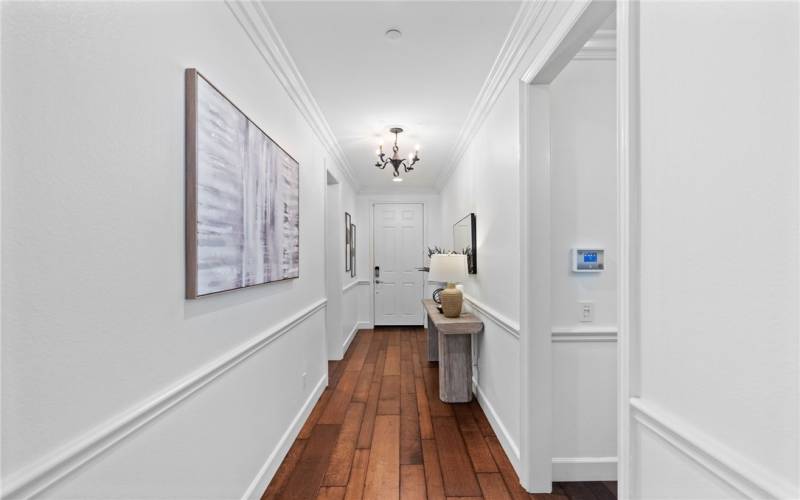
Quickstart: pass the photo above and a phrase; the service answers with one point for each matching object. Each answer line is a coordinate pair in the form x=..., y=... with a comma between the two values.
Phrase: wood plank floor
x=379, y=431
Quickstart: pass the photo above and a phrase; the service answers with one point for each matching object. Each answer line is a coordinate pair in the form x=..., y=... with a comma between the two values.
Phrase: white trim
x=267, y=471
x=555, y=39
x=253, y=18
x=525, y=28
x=602, y=46
x=584, y=334
x=482, y=309
x=501, y=431
x=365, y=325
x=350, y=285
x=364, y=282
x=32, y=480
x=349, y=338
x=749, y=478
x=585, y=469
x=627, y=233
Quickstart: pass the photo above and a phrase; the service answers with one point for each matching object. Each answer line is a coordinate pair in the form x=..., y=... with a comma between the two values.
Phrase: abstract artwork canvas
x=242, y=197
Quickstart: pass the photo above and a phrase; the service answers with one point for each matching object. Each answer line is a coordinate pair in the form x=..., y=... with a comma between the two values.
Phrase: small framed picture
x=353, y=251
x=347, y=242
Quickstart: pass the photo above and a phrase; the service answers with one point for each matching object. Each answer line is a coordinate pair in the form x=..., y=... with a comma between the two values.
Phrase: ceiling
x=425, y=82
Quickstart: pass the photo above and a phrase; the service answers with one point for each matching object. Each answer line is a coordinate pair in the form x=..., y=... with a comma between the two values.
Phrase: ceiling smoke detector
x=393, y=33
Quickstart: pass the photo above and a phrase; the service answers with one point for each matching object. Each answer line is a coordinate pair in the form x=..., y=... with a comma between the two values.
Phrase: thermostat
x=588, y=260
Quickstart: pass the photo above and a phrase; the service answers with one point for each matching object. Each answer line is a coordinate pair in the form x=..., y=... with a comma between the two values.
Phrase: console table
x=450, y=343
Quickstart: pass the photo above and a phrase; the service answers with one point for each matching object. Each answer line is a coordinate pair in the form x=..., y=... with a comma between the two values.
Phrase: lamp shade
x=450, y=268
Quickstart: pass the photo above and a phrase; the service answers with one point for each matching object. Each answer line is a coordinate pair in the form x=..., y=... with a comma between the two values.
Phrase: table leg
x=455, y=368
x=433, y=341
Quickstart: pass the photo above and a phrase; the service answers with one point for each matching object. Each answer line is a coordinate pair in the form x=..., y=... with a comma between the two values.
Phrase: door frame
x=579, y=22
x=333, y=273
x=372, y=203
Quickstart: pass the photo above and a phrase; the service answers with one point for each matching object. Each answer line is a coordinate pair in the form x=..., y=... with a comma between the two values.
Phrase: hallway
x=379, y=431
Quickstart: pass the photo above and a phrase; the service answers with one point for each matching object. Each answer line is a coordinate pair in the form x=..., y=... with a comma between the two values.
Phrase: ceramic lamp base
x=452, y=298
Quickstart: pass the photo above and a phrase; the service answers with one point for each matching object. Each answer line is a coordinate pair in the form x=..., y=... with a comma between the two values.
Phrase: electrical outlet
x=304, y=380
x=586, y=312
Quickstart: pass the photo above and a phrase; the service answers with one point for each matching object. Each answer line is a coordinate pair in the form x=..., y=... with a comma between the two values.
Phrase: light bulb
x=416, y=147
x=397, y=179
x=410, y=156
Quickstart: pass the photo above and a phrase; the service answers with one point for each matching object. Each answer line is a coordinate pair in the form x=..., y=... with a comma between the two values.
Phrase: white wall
x=350, y=288
x=718, y=350
x=94, y=320
x=583, y=138
x=583, y=214
x=486, y=182
x=431, y=224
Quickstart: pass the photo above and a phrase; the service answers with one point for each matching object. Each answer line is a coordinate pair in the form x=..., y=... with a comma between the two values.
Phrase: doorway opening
x=569, y=256
x=333, y=267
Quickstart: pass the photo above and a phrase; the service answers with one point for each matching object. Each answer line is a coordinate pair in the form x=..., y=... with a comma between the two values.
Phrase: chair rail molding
x=56, y=466
x=526, y=27
x=508, y=325
x=351, y=285
x=584, y=333
x=254, y=20
x=750, y=479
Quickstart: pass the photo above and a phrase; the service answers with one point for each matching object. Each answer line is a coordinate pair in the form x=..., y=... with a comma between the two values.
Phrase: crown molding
x=525, y=28
x=602, y=46
x=254, y=20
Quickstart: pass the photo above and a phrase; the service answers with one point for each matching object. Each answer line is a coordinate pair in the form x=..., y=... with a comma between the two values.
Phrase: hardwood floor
x=379, y=431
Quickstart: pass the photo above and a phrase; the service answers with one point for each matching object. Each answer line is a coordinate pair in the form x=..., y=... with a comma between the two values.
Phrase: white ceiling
x=425, y=82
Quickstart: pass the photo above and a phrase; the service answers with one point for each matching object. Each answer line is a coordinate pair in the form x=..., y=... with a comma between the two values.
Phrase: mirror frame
x=472, y=264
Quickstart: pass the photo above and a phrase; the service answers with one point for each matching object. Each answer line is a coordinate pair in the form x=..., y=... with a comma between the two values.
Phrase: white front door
x=397, y=249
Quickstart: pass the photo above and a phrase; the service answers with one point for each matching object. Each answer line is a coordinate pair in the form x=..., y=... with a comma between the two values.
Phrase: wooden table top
x=467, y=323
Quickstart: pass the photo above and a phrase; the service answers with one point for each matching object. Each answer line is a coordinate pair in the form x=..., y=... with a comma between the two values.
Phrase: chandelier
x=396, y=161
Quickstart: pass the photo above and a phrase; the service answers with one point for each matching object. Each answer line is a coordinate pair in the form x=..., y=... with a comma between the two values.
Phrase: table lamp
x=450, y=269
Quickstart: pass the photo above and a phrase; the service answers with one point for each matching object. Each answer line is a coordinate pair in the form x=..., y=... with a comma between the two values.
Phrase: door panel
x=398, y=242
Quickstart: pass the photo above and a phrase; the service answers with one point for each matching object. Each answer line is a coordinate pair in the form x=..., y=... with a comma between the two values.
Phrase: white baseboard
x=365, y=325
x=349, y=339
x=59, y=464
x=511, y=448
x=585, y=469
x=267, y=471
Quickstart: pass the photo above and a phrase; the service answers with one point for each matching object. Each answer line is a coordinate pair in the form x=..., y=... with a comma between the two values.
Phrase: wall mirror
x=464, y=241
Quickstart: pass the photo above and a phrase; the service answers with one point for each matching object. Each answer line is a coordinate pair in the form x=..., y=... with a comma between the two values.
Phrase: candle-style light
x=396, y=161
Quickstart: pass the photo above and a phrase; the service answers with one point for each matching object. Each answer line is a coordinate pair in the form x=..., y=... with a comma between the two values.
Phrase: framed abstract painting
x=242, y=197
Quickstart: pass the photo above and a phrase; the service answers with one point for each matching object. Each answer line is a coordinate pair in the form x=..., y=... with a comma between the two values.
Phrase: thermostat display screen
x=588, y=260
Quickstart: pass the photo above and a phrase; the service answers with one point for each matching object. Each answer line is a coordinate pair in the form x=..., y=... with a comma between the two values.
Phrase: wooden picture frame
x=347, y=241
x=235, y=190
x=352, y=250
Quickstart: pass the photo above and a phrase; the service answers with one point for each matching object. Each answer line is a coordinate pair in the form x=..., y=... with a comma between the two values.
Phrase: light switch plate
x=586, y=312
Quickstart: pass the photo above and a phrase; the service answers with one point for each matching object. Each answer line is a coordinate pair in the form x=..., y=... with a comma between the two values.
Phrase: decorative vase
x=452, y=298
